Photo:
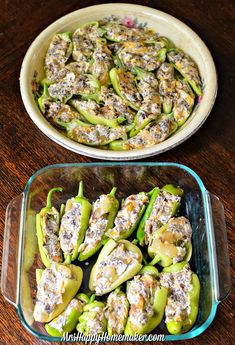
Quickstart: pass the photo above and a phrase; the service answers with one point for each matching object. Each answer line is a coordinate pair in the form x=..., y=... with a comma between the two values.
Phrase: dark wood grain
x=210, y=152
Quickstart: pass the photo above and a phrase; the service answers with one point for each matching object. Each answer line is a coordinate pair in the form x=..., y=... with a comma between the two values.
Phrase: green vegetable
x=168, y=190
x=156, y=301
x=92, y=135
x=105, y=211
x=45, y=99
x=67, y=321
x=152, y=134
x=92, y=117
x=92, y=321
x=186, y=324
x=183, y=102
x=57, y=55
x=85, y=209
x=164, y=243
x=116, y=312
x=123, y=227
x=71, y=281
x=105, y=265
x=47, y=227
x=187, y=68
x=119, y=78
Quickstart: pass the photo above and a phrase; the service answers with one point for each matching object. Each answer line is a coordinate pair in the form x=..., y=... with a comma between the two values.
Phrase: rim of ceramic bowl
x=186, y=131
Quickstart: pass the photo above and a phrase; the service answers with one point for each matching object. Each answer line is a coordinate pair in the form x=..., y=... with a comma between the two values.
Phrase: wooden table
x=24, y=149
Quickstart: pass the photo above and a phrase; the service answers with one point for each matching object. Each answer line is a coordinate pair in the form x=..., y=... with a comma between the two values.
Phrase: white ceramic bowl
x=166, y=25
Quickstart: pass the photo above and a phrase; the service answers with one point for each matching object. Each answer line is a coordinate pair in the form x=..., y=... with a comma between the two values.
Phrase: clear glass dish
x=210, y=258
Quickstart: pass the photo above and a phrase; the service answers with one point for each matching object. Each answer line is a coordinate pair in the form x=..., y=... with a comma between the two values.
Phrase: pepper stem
x=49, y=196
x=155, y=260
x=113, y=191
x=80, y=189
x=92, y=298
x=68, y=259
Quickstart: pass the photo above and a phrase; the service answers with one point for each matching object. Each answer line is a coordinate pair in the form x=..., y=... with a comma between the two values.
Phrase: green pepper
x=124, y=85
x=56, y=287
x=92, y=135
x=74, y=224
x=187, y=68
x=102, y=218
x=154, y=298
x=167, y=81
x=89, y=111
x=57, y=55
x=93, y=320
x=67, y=321
x=165, y=200
x=102, y=61
x=183, y=323
x=129, y=216
x=171, y=243
x=45, y=99
x=183, y=101
x=105, y=275
x=150, y=108
x=84, y=41
x=47, y=226
x=116, y=312
x=154, y=133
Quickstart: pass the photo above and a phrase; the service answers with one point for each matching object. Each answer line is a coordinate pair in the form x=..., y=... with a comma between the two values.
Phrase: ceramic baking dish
x=210, y=258
x=164, y=24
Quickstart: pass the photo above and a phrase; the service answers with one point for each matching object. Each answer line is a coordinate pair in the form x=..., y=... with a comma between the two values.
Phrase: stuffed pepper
x=150, y=108
x=56, y=112
x=84, y=42
x=163, y=205
x=125, y=86
x=187, y=68
x=47, y=226
x=183, y=101
x=102, y=217
x=74, y=224
x=93, y=135
x=117, y=262
x=93, y=320
x=57, y=55
x=116, y=312
x=184, y=291
x=171, y=243
x=147, y=300
x=154, y=133
x=85, y=85
x=139, y=54
x=167, y=82
x=56, y=287
x=67, y=321
x=129, y=216
x=114, y=103
x=96, y=114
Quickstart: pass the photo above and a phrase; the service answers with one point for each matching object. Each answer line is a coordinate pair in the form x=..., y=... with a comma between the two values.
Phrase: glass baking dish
x=210, y=258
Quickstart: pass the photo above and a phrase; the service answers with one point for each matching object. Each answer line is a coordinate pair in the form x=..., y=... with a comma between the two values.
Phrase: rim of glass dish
x=185, y=336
